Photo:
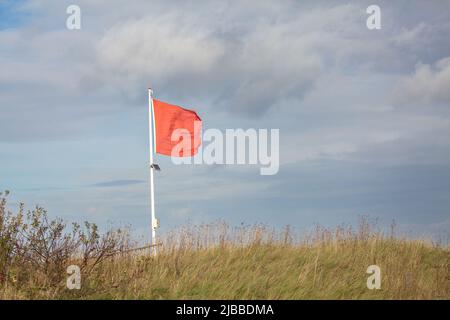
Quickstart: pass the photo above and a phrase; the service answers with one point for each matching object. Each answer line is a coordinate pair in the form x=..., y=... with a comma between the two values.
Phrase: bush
x=36, y=250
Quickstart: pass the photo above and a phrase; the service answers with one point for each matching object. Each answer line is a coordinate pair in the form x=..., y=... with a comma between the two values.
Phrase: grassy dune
x=219, y=262
x=411, y=271
x=330, y=269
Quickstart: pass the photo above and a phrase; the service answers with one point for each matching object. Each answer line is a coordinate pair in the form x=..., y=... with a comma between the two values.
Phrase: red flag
x=183, y=142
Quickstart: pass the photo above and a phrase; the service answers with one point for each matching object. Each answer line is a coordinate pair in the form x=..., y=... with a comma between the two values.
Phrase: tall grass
x=216, y=261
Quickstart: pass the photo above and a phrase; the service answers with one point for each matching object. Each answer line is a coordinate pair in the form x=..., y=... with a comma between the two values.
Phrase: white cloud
x=430, y=84
x=158, y=48
x=246, y=70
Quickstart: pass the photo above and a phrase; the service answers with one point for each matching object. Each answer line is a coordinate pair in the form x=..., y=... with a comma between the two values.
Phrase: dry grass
x=330, y=268
x=253, y=262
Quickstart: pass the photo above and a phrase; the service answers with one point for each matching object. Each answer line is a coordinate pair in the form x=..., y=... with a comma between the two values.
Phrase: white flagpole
x=151, y=133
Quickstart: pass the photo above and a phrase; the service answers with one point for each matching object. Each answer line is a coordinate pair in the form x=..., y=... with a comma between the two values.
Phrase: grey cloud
x=118, y=183
x=245, y=70
x=310, y=68
x=247, y=67
x=245, y=61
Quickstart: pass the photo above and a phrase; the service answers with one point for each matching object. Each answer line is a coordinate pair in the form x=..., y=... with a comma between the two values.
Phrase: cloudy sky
x=364, y=115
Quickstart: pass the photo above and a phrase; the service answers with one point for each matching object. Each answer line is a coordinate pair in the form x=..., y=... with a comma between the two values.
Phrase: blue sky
x=363, y=115
x=10, y=16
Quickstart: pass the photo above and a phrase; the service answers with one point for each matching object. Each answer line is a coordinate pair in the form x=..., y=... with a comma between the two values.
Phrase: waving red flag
x=178, y=130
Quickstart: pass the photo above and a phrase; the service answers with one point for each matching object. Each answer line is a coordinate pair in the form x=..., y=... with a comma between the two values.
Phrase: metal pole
x=151, y=140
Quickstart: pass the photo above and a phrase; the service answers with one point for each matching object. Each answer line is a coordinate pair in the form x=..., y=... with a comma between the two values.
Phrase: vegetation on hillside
x=214, y=262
